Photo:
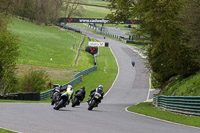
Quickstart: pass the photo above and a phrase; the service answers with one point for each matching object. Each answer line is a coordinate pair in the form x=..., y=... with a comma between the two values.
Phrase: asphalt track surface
x=130, y=87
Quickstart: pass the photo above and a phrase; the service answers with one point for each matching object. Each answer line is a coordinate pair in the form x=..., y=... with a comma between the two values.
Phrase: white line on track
x=149, y=87
x=117, y=73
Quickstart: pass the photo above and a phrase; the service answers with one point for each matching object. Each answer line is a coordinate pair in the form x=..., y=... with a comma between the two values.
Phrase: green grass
x=93, y=11
x=147, y=109
x=105, y=74
x=38, y=44
x=5, y=131
x=98, y=2
x=183, y=87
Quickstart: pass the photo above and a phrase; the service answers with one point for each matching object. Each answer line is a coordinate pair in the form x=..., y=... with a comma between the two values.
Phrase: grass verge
x=5, y=131
x=146, y=108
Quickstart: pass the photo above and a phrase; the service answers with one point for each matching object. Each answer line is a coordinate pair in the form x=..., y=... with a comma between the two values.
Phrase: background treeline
x=174, y=28
x=43, y=11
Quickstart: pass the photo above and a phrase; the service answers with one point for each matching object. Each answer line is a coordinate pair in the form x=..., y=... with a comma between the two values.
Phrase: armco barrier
x=69, y=27
x=76, y=80
x=189, y=105
x=89, y=70
x=73, y=82
x=46, y=94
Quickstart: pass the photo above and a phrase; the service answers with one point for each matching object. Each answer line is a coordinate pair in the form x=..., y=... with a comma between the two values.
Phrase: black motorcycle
x=56, y=94
x=63, y=101
x=77, y=99
x=94, y=100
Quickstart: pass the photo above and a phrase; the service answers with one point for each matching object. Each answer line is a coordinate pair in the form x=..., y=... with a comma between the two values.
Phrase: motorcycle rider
x=53, y=96
x=81, y=92
x=69, y=92
x=99, y=89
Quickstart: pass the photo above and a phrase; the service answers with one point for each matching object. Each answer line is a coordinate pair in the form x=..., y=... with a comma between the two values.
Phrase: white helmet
x=70, y=89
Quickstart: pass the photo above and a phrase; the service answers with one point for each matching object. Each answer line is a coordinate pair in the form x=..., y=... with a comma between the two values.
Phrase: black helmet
x=83, y=87
x=100, y=87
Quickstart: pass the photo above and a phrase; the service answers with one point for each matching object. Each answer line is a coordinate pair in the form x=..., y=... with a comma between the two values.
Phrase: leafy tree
x=41, y=11
x=8, y=49
x=73, y=7
x=189, y=19
x=8, y=56
x=170, y=53
x=6, y=8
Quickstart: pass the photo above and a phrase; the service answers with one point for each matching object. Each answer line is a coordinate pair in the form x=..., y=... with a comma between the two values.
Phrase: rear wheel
x=91, y=105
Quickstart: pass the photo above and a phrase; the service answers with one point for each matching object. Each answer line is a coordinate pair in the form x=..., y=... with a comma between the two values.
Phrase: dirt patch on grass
x=54, y=73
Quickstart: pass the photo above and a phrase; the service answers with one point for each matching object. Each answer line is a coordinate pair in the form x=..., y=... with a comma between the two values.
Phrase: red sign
x=69, y=20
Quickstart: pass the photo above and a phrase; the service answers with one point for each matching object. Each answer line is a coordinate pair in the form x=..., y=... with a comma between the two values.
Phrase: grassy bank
x=89, y=11
x=47, y=45
x=147, y=109
x=51, y=49
x=183, y=87
x=98, y=2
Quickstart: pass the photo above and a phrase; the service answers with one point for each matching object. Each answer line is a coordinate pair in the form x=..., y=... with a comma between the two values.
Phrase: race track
x=130, y=87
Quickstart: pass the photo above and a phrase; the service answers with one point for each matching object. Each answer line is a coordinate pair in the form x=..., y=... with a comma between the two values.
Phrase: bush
x=34, y=81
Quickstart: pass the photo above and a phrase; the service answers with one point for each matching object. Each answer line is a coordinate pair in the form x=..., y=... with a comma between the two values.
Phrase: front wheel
x=91, y=105
x=75, y=102
x=60, y=104
x=55, y=98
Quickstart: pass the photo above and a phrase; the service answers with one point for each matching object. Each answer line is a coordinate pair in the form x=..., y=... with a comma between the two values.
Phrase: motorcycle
x=94, y=100
x=63, y=101
x=76, y=100
x=55, y=96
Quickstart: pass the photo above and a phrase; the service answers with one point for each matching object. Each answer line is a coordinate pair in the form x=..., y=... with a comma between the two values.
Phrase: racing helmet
x=83, y=87
x=100, y=87
x=70, y=89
